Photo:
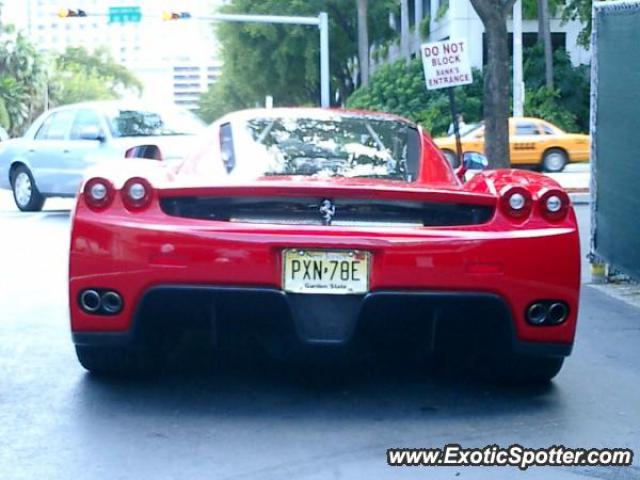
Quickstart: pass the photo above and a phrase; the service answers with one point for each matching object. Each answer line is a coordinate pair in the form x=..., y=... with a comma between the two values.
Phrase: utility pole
x=518, y=82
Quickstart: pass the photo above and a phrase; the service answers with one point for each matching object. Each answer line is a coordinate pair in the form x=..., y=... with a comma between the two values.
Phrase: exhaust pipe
x=90, y=301
x=537, y=314
x=111, y=302
x=558, y=313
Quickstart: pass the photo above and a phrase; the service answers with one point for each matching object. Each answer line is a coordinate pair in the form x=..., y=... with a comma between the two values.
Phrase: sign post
x=446, y=65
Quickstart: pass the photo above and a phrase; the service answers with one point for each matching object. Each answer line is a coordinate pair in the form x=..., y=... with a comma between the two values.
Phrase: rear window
x=353, y=146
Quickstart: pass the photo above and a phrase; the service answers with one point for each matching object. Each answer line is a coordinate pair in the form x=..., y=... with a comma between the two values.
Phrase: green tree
x=218, y=100
x=21, y=80
x=399, y=88
x=580, y=10
x=80, y=75
x=283, y=60
x=567, y=103
x=493, y=14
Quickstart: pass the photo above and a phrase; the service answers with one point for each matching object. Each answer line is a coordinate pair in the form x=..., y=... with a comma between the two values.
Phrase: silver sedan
x=52, y=156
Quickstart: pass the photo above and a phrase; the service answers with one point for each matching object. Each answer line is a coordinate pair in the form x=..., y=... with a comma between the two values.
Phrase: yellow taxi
x=533, y=142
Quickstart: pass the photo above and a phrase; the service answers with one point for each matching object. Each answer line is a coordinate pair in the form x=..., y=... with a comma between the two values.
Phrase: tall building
x=156, y=51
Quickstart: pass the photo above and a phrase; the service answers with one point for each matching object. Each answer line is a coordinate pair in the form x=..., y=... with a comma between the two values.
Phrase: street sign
x=446, y=64
x=124, y=14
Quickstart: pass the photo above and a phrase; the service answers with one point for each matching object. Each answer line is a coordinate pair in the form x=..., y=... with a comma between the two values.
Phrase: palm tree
x=363, y=43
x=544, y=36
x=404, y=29
x=493, y=14
x=21, y=81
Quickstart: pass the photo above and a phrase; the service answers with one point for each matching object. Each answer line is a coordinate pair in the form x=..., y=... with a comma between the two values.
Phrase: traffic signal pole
x=133, y=14
x=321, y=21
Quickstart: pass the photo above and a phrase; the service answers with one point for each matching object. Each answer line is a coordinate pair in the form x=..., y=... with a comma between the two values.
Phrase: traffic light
x=68, y=13
x=168, y=16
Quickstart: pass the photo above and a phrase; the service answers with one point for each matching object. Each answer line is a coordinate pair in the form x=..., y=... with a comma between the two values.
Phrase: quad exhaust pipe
x=90, y=301
x=558, y=313
x=547, y=313
x=105, y=302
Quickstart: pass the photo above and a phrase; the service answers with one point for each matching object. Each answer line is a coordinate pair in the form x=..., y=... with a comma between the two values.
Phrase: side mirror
x=475, y=161
x=471, y=161
x=93, y=133
x=151, y=152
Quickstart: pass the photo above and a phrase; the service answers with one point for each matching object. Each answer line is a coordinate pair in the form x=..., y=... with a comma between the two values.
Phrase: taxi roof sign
x=446, y=64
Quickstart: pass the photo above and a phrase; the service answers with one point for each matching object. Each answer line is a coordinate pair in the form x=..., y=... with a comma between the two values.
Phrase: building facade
x=445, y=19
x=157, y=51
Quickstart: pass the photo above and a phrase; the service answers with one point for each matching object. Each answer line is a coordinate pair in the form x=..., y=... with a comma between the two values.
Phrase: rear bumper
x=333, y=320
x=138, y=255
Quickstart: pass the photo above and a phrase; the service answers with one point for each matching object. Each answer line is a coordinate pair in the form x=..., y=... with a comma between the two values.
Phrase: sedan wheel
x=25, y=193
x=554, y=160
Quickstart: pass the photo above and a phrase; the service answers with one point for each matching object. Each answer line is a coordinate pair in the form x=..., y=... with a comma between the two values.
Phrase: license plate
x=333, y=272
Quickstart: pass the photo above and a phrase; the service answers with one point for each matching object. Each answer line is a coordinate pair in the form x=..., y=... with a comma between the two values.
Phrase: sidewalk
x=574, y=178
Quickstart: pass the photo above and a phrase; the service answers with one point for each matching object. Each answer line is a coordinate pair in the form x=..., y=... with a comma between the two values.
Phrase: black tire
x=116, y=361
x=451, y=157
x=34, y=201
x=519, y=369
x=554, y=160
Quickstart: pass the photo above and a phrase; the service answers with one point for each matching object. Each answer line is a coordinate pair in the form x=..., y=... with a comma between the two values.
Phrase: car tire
x=451, y=157
x=25, y=192
x=554, y=160
x=517, y=369
x=116, y=361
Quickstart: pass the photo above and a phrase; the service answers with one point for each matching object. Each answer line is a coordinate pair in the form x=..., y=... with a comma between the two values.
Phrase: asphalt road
x=236, y=422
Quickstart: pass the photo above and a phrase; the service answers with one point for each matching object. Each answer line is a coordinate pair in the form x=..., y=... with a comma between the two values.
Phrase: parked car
x=533, y=142
x=52, y=156
x=327, y=229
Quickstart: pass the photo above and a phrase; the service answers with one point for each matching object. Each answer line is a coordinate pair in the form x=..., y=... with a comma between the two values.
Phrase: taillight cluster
x=136, y=193
x=517, y=203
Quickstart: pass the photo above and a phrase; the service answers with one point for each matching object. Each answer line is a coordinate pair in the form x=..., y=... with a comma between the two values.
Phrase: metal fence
x=615, y=130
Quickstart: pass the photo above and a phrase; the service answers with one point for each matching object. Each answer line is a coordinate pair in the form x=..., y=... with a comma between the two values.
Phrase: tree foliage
x=80, y=75
x=284, y=60
x=493, y=14
x=21, y=80
x=567, y=104
x=399, y=88
x=568, y=10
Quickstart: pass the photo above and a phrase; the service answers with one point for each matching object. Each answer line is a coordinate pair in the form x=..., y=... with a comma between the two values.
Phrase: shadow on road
x=374, y=391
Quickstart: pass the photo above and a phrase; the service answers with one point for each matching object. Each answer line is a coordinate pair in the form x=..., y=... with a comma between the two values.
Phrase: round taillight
x=516, y=202
x=137, y=193
x=98, y=193
x=554, y=205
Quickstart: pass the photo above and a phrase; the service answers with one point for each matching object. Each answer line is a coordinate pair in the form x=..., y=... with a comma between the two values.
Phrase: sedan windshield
x=146, y=123
x=333, y=146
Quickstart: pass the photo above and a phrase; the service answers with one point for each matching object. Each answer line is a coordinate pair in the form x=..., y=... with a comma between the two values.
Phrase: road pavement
x=242, y=422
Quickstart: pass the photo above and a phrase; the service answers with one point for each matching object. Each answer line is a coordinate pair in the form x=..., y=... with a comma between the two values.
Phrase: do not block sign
x=446, y=64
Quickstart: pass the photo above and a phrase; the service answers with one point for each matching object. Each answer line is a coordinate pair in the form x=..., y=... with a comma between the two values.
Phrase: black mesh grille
x=306, y=211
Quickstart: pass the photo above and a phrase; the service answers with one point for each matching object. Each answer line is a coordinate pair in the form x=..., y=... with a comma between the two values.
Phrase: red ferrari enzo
x=323, y=229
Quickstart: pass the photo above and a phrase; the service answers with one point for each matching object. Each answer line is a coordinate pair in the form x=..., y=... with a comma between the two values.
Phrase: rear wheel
x=25, y=192
x=451, y=157
x=116, y=361
x=554, y=160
